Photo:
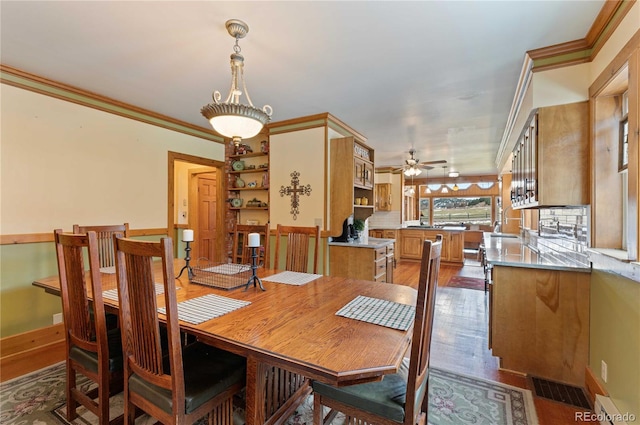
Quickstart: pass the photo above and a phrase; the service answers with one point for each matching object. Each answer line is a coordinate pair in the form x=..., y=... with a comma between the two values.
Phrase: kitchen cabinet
x=411, y=240
x=351, y=178
x=383, y=197
x=550, y=162
x=373, y=261
x=539, y=322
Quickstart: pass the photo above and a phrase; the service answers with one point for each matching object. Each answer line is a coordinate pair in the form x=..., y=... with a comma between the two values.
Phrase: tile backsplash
x=570, y=223
x=564, y=232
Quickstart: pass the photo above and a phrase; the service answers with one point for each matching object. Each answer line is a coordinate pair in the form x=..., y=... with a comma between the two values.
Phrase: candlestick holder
x=187, y=258
x=254, y=267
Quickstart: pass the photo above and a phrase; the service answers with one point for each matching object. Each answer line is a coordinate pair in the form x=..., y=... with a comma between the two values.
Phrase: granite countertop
x=372, y=243
x=513, y=252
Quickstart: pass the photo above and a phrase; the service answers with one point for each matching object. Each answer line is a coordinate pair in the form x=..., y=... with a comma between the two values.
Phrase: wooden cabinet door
x=383, y=197
x=358, y=172
x=368, y=175
x=411, y=244
x=456, y=247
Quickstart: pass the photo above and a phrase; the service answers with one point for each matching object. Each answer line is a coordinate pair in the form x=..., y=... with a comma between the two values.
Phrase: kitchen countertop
x=513, y=252
x=372, y=243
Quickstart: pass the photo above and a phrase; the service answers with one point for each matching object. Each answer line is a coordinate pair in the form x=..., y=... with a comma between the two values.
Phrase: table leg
x=255, y=394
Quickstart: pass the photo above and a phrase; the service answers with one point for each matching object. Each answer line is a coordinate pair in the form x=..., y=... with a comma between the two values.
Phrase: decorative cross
x=295, y=191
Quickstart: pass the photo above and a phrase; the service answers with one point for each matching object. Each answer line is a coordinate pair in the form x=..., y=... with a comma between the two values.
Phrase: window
x=623, y=151
x=425, y=214
x=468, y=210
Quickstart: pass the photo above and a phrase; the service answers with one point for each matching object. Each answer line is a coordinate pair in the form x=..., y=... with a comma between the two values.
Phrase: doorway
x=196, y=195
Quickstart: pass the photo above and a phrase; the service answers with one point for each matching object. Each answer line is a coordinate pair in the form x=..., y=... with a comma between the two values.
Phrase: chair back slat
x=241, y=253
x=422, y=331
x=105, y=234
x=298, y=247
x=87, y=331
x=142, y=342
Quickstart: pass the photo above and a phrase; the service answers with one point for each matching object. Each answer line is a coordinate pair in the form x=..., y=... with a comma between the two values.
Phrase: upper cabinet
x=351, y=181
x=550, y=163
x=383, y=197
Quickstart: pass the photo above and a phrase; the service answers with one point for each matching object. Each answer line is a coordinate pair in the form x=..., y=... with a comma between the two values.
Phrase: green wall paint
x=25, y=307
x=615, y=338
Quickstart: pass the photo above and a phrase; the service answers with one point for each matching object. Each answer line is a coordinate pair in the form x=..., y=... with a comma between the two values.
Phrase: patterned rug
x=466, y=282
x=38, y=399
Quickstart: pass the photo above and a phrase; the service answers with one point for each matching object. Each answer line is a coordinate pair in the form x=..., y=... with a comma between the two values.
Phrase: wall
x=302, y=151
x=46, y=143
x=615, y=338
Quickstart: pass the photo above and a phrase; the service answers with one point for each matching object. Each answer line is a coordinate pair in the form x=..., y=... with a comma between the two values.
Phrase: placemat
x=292, y=278
x=379, y=312
x=112, y=294
x=229, y=268
x=206, y=307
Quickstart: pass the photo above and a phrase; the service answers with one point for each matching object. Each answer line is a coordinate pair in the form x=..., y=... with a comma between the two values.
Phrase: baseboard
x=29, y=351
x=593, y=386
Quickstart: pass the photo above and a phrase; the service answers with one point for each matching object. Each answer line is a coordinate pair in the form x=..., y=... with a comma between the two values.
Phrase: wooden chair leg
x=72, y=405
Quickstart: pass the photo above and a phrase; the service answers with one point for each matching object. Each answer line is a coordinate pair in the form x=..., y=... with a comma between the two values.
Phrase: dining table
x=290, y=333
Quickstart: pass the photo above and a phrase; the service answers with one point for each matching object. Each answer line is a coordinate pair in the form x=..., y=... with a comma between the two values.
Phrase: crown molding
x=585, y=49
x=24, y=80
x=562, y=55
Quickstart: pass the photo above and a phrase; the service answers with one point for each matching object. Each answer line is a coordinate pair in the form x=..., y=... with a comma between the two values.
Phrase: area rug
x=466, y=282
x=39, y=399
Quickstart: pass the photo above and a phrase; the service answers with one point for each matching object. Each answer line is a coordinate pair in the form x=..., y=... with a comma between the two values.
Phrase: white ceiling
x=437, y=75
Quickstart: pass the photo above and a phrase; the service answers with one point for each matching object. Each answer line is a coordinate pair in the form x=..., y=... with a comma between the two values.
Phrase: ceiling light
x=455, y=187
x=454, y=174
x=231, y=118
x=412, y=171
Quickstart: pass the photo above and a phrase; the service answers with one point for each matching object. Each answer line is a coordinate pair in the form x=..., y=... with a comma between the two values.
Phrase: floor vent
x=562, y=393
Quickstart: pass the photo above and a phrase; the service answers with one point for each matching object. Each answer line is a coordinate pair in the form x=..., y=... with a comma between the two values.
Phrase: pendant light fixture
x=428, y=188
x=444, y=185
x=231, y=118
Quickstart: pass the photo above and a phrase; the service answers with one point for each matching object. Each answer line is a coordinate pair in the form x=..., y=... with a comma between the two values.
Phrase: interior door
x=207, y=216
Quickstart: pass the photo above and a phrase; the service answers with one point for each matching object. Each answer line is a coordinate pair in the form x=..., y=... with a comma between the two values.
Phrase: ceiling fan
x=412, y=165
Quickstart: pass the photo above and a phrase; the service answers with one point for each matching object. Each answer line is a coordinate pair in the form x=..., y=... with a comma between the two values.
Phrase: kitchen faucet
x=506, y=219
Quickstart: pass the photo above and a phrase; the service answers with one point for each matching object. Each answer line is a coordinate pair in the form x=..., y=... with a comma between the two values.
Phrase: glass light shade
x=455, y=187
x=444, y=189
x=412, y=171
x=236, y=126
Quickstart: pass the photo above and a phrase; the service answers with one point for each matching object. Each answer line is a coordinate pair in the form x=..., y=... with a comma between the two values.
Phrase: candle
x=254, y=240
x=187, y=235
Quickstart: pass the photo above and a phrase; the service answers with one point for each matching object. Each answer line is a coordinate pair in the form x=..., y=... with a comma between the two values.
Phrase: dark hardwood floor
x=460, y=338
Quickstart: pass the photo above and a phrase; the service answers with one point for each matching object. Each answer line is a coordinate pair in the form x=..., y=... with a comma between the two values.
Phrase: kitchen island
x=412, y=237
x=372, y=260
x=539, y=310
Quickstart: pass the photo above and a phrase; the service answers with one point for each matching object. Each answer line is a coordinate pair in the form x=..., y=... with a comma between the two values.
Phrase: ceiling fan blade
x=440, y=161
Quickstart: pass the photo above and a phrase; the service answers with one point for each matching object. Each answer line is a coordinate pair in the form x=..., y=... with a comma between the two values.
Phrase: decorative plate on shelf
x=236, y=202
x=237, y=165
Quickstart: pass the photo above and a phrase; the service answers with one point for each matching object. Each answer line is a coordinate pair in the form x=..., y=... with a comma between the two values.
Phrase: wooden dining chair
x=241, y=253
x=297, y=249
x=105, y=240
x=396, y=399
x=185, y=383
x=91, y=349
